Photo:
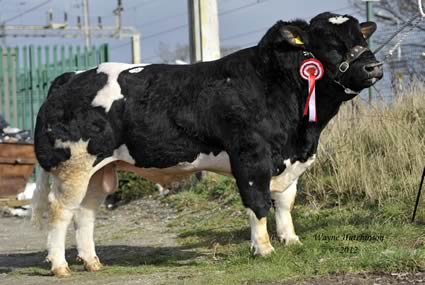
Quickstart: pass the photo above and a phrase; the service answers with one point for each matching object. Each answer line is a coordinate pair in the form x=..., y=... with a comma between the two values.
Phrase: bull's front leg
x=284, y=202
x=260, y=241
x=251, y=167
x=284, y=190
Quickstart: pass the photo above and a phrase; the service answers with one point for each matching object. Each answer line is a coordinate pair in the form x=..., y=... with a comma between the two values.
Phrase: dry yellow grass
x=376, y=155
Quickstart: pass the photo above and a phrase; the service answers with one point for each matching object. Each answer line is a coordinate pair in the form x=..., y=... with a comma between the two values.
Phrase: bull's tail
x=40, y=202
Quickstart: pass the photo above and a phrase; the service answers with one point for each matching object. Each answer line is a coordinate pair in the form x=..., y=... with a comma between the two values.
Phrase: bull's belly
x=219, y=163
x=215, y=163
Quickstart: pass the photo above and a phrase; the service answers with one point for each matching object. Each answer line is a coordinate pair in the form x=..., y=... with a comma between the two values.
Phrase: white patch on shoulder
x=291, y=174
x=111, y=92
x=338, y=20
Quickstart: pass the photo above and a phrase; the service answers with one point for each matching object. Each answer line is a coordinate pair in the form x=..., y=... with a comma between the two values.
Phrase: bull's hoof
x=92, y=265
x=290, y=240
x=61, y=272
x=263, y=250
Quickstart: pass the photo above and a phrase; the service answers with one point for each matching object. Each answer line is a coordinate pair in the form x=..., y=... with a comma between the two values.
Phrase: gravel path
x=132, y=235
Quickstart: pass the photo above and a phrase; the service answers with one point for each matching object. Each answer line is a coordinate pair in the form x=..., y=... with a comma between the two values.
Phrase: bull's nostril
x=373, y=68
x=369, y=68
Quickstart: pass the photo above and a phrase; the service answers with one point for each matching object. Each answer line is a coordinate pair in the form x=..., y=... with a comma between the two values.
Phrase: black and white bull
x=241, y=115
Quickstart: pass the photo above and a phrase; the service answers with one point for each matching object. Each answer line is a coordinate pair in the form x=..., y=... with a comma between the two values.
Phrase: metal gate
x=26, y=74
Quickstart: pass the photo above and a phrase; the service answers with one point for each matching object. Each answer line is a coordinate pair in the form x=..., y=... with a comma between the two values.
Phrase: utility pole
x=195, y=49
x=118, y=13
x=86, y=17
x=203, y=30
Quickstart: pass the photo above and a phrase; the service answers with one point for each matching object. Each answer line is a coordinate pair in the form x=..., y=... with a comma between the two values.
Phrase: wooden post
x=6, y=75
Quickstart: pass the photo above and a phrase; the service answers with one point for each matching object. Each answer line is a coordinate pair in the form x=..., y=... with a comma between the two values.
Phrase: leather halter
x=352, y=55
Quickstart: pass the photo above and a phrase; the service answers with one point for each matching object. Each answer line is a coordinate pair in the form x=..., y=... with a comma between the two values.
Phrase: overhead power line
x=225, y=12
x=142, y=4
x=236, y=9
x=26, y=12
x=263, y=29
x=165, y=32
x=240, y=35
x=159, y=20
x=222, y=13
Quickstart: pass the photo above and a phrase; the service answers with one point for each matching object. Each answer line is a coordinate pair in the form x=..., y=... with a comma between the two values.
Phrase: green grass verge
x=203, y=222
x=213, y=236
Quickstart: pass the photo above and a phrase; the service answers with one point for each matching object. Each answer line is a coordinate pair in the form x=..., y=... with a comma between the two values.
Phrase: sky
x=242, y=22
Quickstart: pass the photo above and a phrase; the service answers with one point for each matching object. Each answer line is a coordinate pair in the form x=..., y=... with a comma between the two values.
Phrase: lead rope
x=421, y=9
x=420, y=16
x=409, y=22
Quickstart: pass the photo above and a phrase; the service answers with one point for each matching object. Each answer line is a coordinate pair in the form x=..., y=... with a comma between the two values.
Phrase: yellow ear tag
x=298, y=40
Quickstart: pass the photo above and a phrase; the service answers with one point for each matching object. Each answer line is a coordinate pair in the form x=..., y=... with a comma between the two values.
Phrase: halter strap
x=352, y=55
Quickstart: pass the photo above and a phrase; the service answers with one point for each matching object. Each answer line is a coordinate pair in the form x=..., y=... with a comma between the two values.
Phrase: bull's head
x=339, y=42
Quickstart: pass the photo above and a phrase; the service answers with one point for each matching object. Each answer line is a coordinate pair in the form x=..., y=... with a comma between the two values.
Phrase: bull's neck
x=284, y=83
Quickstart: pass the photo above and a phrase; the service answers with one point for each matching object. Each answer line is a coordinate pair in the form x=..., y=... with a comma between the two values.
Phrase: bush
x=133, y=187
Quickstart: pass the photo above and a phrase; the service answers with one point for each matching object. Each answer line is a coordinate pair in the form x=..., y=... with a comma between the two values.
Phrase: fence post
x=6, y=77
x=1, y=80
x=33, y=83
x=48, y=74
x=78, y=58
x=14, y=58
x=26, y=87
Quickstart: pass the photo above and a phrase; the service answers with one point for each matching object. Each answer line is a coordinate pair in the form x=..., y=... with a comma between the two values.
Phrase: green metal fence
x=26, y=74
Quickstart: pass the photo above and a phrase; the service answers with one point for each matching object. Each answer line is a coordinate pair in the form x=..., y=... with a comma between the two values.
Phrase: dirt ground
x=132, y=235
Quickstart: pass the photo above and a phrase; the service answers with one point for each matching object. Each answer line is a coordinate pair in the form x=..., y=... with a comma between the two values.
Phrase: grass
x=401, y=248
x=214, y=232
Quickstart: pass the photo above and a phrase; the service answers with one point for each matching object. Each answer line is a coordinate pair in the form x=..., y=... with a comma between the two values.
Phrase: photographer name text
x=350, y=237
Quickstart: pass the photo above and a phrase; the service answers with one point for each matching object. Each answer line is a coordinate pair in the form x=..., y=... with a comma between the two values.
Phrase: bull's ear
x=293, y=36
x=367, y=29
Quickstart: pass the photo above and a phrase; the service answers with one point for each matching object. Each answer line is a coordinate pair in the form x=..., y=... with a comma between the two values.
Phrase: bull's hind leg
x=70, y=181
x=284, y=202
x=101, y=184
x=65, y=197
